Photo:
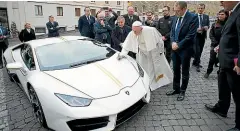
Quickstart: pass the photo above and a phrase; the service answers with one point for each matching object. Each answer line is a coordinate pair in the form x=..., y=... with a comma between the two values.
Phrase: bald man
x=130, y=17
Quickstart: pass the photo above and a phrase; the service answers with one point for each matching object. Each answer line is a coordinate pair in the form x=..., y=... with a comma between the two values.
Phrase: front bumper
x=102, y=115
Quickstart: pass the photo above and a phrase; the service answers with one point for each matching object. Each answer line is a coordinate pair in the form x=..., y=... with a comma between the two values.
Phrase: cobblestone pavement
x=162, y=114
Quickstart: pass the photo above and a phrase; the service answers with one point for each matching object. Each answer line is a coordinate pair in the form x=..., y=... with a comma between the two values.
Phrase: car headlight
x=141, y=72
x=74, y=101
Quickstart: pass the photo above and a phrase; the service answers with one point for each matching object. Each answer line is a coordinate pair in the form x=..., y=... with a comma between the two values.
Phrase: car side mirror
x=15, y=65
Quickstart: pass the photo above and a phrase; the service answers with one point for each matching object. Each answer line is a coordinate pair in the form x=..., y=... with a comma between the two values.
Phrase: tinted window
x=67, y=54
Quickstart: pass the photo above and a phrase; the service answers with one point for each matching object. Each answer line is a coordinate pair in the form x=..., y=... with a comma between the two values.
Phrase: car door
x=28, y=64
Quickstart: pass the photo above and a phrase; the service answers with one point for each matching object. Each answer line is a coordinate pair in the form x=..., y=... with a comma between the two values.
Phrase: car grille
x=88, y=124
x=128, y=113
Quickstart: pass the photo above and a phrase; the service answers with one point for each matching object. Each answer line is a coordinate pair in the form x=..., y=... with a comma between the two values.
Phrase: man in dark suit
x=229, y=75
x=182, y=36
x=129, y=19
x=204, y=23
x=4, y=35
x=120, y=33
x=85, y=24
x=27, y=34
x=52, y=27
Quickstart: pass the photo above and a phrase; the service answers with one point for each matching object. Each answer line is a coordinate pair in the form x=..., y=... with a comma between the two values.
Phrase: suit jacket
x=25, y=36
x=85, y=27
x=102, y=33
x=164, y=26
x=4, y=41
x=229, y=46
x=52, y=29
x=187, y=33
x=119, y=35
x=127, y=20
x=205, y=22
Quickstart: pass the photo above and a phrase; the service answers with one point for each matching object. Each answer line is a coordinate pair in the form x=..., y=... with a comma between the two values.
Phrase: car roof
x=52, y=40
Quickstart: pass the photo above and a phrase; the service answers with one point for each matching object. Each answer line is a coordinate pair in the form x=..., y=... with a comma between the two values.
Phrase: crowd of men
x=183, y=36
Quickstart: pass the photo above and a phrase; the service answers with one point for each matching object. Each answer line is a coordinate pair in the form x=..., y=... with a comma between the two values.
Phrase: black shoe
x=214, y=109
x=198, y=69
x=1, y=66
x=206, y=75
x=234, y=129
x=173, y=92
x=181, y=96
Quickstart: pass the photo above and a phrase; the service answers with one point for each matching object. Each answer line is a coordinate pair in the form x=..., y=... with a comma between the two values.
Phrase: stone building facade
x=212, y=7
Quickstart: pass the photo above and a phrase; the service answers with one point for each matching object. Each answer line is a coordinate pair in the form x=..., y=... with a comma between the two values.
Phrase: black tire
x=37, y=108
x=8, y=72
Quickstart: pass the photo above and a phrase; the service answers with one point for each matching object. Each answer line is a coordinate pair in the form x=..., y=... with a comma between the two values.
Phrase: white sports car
x=76, y=83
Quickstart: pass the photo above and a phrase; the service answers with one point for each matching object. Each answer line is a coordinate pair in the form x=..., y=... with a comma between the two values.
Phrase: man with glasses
x=102, y=29
x=85, y=24
x=201, y=35
x=149, y=21
x=182, y=37
x=164, y=27
x=120, y=33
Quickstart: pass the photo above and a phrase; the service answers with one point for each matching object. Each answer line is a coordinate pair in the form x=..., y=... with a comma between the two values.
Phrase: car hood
x=100, y=79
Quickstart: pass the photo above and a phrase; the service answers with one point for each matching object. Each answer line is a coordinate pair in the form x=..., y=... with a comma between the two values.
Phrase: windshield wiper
x=84, y=63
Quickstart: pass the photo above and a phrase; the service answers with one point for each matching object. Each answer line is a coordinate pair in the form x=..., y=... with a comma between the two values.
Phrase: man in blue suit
x=85, y=24
x=4, y=35
x=182, y=37
x=52, y=27
x=201, y=35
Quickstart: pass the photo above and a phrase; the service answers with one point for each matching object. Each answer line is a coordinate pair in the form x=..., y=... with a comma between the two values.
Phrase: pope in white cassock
x=147, y=43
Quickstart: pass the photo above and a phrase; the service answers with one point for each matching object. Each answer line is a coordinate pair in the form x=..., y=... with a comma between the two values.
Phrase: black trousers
x=168, y=48
x=213, y=60
x=200, y=41
x=229, y=81
x=181, y=60
x=3, y=47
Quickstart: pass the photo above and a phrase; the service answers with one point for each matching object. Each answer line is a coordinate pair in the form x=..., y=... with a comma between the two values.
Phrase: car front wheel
x=37, y=108
x=8, y=72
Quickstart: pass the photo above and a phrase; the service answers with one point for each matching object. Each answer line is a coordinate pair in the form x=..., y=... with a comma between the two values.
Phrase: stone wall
x=212, y=7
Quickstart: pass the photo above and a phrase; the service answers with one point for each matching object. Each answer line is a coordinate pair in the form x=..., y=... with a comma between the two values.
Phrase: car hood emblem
x=127, y=92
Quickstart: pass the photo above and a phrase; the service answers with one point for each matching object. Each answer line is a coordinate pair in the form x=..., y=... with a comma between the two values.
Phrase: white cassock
x=150, y=55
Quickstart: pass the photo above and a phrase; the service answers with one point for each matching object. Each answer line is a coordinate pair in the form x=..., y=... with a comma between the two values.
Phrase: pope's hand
x=175, y=46
x=119, y=57
x=237, y=69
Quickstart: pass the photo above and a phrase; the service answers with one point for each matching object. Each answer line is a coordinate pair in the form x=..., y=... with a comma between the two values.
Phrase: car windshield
x=71, y=54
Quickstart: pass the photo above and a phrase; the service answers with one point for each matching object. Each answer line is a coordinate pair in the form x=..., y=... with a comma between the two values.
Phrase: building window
x=106, y=2
x=77, y=12
x=143, y=8
x=118, y=2
x=136, y=9
x=156, y=8
x=40, y=29
x=38, y=10
x=119, y=13
x=59, y=11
